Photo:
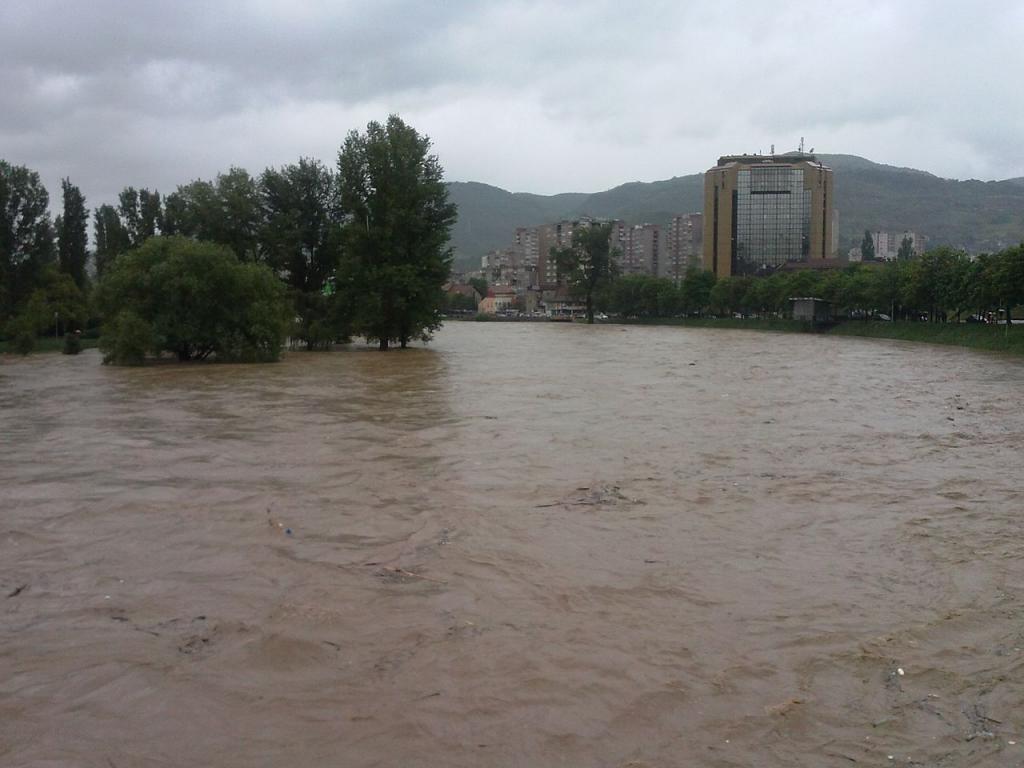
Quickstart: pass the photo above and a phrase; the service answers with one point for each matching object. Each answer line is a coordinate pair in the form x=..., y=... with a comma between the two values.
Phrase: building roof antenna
x=801, y=145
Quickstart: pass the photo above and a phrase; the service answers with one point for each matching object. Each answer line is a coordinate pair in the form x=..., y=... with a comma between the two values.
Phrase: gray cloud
x=535, y=96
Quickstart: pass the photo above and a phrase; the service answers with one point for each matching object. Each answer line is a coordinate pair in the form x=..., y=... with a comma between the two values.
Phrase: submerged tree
x=300, y=241
x=194, y=300
x=397, y=220
x=589, y=264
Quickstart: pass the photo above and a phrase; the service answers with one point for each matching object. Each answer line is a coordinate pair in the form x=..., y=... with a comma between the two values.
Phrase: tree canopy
x=26, y=236
x=72, y=234
x=194, y=300
x=397, y=222
x=589, y=264
x=867, y=247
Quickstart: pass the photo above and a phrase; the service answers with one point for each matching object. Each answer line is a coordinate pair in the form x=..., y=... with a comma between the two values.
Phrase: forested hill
x=976, y=215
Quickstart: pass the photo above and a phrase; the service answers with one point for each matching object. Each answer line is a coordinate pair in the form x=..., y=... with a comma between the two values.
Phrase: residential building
x=762, y=211
x=643, y=250
x=887, y=244
x=536, y=244
x=683, y=246
x=508, y=267
x=497, y=300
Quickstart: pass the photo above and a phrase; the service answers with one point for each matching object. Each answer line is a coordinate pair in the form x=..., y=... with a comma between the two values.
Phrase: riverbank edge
x=45, y=344
x=992, y=338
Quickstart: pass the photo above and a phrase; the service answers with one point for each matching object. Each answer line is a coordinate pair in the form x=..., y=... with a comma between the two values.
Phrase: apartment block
x=683, y=245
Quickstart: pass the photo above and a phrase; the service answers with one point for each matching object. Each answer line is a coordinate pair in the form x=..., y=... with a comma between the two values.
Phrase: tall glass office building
x=763, y=211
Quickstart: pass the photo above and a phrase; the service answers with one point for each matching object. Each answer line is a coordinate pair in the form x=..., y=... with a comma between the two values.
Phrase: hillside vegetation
x=975, y=215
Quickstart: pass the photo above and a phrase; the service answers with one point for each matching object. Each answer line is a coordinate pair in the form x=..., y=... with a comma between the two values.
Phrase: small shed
x=811, y=310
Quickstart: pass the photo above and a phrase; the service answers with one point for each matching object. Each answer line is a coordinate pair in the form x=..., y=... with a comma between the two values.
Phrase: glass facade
x=772, y=219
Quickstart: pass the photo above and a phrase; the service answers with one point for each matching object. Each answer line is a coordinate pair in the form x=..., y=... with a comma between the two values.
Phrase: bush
x=24, y=341
x=72, y=343
x=194, y=300
x=21, y=335
x=126, y=340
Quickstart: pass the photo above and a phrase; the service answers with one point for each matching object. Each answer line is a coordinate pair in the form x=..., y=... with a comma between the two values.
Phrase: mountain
x=975, y=215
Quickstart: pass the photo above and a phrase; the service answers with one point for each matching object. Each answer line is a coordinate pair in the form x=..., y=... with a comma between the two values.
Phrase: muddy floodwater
x=522, y=545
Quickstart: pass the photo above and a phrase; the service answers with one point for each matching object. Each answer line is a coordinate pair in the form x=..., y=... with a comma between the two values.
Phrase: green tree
x=1007, y=279
x=301, y=243
x=460, y=302
x=480, y=285
x=696, y=290
x=57, y=304
x=867, y=247
x=758, y=297
x=141, y=214
x=127, y=339
x=803, y=283
x=72, y=233
x=730, y=294
x=669, y=302
x=397, y=223
x=624, y=296
x=228, y=210
x=906, y=251
x=112, y=239
x=193, y=210
x=589, y=264
x=26, y=235
x=194, y=300
x=952, y=277
x=776, y=289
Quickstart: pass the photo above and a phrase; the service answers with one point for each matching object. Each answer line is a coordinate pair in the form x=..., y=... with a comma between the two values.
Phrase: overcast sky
x=530, y=96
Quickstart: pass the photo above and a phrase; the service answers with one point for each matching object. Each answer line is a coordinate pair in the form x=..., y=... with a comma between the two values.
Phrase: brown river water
x=522, y=545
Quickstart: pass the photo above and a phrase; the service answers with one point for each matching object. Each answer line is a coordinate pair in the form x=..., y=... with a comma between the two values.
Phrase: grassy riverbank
x=975, y=336
x=997, y=338
x=989, y=337
x=45, y=344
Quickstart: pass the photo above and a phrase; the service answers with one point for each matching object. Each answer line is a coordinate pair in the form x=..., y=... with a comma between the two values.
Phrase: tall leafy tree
x=238, y=200
x=696, y=289
x=1007, y=279
x=26, y=235
x=128, y=211
x=589, y=263
x=57, y=304
x=906, y=251
x=112, y=239
x=867, y=247
x=72, y=235
x=299, y=204
x=141, y=214
x=300, y=242
x=226, y=211
x=397, y=227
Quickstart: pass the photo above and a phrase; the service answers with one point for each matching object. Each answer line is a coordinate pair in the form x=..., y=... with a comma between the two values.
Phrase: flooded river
x=523, y=545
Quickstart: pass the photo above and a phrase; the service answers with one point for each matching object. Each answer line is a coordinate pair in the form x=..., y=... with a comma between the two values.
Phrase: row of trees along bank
x=227, y=268
x=941, y=284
